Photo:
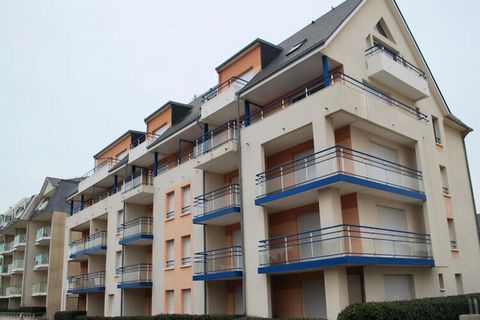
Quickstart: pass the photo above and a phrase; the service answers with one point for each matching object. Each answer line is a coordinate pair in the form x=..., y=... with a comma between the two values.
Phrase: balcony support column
x=330, y=207
x=336, y=289
x=133, y=171
x=115, y=183
x=71, y=207
x=326, y=76
x=246, y=120
x=155, y=164
x=82, y=201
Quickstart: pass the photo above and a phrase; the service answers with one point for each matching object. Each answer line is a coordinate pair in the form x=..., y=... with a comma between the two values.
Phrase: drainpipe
x=242, y=221
x=205, y=302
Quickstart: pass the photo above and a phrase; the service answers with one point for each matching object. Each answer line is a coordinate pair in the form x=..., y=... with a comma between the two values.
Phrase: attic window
x=295, y=47
x=381, y=28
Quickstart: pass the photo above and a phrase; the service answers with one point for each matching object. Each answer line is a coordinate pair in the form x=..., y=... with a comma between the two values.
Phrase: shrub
x=441, y=308
x=69, y=315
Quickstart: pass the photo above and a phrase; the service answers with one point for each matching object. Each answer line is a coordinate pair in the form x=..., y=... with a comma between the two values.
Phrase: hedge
x=34, y=310
x=441, y=308
x=69, y=315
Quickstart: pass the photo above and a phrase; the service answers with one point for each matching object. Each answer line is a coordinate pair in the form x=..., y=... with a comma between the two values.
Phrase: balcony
x=348, y=169
x=6, y=248
x=19, y=241
x=387, y=67
x=39, y=289
x=40, y=262
x=98, y=173
x=135, y=276
x=17, y=266
x=345, y=245
x=4, y=270
x=218, y=207
x=92, y=244
x=85, y=283
x=218, y=264
x=97, y=199
x=216, y=151
x=139, y=147
x=14, y=291
x=219, y=102
x=136, y=232
x=43, y=236
x=138, y=187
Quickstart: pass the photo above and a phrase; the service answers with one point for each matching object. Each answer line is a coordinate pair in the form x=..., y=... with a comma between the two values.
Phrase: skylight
x=295, y=47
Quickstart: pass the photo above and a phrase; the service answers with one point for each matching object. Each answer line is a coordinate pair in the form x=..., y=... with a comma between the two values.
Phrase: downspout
x=242, y=222
x=205, y=302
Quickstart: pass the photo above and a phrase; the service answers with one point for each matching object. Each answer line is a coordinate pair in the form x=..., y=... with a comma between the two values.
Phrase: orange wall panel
x=447, y=200
x=288, y=154
x=163, y=118
x=114, y=150
x=251, y=60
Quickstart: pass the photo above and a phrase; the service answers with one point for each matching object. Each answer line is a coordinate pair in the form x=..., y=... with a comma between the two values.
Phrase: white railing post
x=349, y=234
x=286, y=249
x=281, y=177
x=311, y=244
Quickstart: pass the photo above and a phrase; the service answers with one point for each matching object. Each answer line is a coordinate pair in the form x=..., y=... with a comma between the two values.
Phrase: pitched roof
x=315, y=34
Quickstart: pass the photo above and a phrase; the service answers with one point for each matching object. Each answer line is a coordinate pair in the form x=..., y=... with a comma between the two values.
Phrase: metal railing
x=213, y=92
x=42, y=233
x=318, y=85
x=225, y=197
x=17, y=265
x=141, y=272
x=5, y=247
x=336, y=160
x=148, y=137
x=142, y=225
x=106, y=163
x=170, y=264
x=19, y=239
x=344, y=240
x=39, y=288
x=377, y=48
x=80, y=246
x=219, y=260
x=4, y=269
x=164, y=166
x=87, y=281
x=14, y=290
x=95, y=200
x=138, y=178
x=40, y=259
x=215, y=138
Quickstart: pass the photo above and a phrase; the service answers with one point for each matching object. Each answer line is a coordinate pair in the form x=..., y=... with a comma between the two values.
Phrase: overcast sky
x=75, y=75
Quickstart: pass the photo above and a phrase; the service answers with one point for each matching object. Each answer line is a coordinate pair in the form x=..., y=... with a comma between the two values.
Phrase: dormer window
x=42, y=205
x=382, y=29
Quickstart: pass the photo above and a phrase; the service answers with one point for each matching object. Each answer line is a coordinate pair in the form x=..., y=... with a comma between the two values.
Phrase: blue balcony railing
x=138, y=275
x=218, y=264
x=345, y=244
x=88, y=245
x=213, y=92
x=136, y=229
x=217, y=203
x=338, y=164
x=89, y=282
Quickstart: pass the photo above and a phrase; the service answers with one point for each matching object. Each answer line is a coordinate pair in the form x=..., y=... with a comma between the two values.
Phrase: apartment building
x=32, y=248
x=320, y=172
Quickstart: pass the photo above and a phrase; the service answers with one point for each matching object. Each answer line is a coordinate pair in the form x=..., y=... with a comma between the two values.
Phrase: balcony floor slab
x=224, y=216
x=223, y=275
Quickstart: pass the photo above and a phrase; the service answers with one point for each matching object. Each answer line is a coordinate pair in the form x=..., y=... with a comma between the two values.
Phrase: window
x=170, y=205
x=186, y=200
x=443, y=173
x=436, y=130
x=170, y=261
x=187, y=301
x=161, y=130
x=459, y=282
x=441, y=282
x=122, y=154
x=453, y=236
x=381, y=28
x=170, y=301
x=398, y=287
x=186, y=251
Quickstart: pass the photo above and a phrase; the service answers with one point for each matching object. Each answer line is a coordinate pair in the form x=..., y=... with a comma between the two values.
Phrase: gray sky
x=75, y=75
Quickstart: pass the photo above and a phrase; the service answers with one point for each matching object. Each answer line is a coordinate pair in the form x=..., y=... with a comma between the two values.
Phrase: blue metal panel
x=326, y=75
x=217, y=275
x=216, y=214
x=349, y=260
x=87, y=290
x=136, y=237
x=155, y=164
x=95, y=249
x=339, y=177
x=139, y=284
x=246, y=120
